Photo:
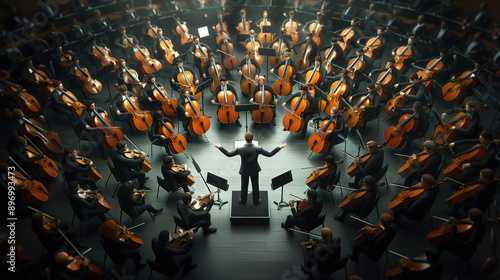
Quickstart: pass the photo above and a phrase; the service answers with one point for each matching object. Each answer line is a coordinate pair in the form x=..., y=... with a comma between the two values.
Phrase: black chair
x=335, y=181
x=154, y=142
x=112, y=172
x=82, y=219
x=169, y=189
x=382, y=174
x=116, y=258
x=336, y=266
x=158, y=268
x=180, y=223
x=131, y=215
x=319, y=221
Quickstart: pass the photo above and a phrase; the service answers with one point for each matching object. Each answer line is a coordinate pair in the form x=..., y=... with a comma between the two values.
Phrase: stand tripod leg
x=282, y=203
x=219, y=201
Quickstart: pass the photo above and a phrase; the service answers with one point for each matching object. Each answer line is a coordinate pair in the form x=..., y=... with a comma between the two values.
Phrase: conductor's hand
x=282, y=145
x=217, y=145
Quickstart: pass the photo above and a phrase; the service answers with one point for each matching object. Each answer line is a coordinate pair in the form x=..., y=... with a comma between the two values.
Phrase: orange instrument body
x=93, y=173
x=280, y=49
x=338, y=90
x=329, y=56
x=395, y=135
x=104, y=58
x=348, y=35
x=356, y=66
x=202, y=54
x=26, y=102
x=354, y=117
x=454, y=91
x=74, y=268
x=227, y=113
x=354, y=198
x=264, y=114
x=430, y=72
x=168, y=105
x=186, y=80
x=183, y=32
x=66, y=60
x=197, y=204
x=89, y=85
x=291, y=29
x=443, y=232
x=409, y=166
x=134, y=154
x=283, y=85
x=318, y=141
x=474, y=154
x=253, y=48
x=152, y=32
x=313, y=78
x=244, y=26
x=103, y=204
x=373, y=44
x=110, y=136
x=419, y=268
x=315, y=29
x=230, y=61
x=180, y=236
x=363, y=160
x=148, y=65
x=373, y=231
x=136, y=241
x=303, y=59
x=45, y=166
x=386, y=81
x=76, y=106
x=216, y=73
x=139, y=119
x=168, y=49
x=128, y=42
x=33, y=190
x=42, y=80
x=176, y=142
x=220, y=29
x=198, y=124
x=402, y=55
x=407, y=197
x=130, y=77
x=462, y=194
x=294, y=120
x=398, y=101
x=49, y=141
x=179, y=168
x=320, y=173
x=460, y=120
x=247, y=84
x=265, y=38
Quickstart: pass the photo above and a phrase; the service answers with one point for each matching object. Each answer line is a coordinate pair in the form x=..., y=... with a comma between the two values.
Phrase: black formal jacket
x=174, y=179
x=73, y=172
x=191, y=217
x=431, y=167
x=80, y=205
x=123, y=165
x=309, y=215
x=374, y=165
x=219, y=89
x=252, y=61
x=85, y=119
x=266, y=87
x=249, y=154
x=164, y=254
x=488, y=161
x=484, y=196
x=419, y=208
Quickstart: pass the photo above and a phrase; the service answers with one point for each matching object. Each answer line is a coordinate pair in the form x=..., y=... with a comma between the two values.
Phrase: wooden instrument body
x=419, y=269
x=462, y=194
x=265, y=38
x=363, y=160
x=181, y=235
x=334, y=98
x=373, y=231
x=135, y=240
x=247, y=85
x=197, y=204
x=215, y=77
x=315, y=78
x=227, y=112
x=74, y=268
x=280, y=49
x=409, y=166
x=49, y=142
x=355, y=117
x=148, y=65
x=105, y=59
x=254, y=51
x=26, y=102
x=429, y=74
x=110, y=136
x=66, y=60
x=183, y=32
x=353, y=198
x=168, y=105
x=407, y=197
x=372, y=45
x=46, y=167
x=76, y=106
x=189, y=180
x=264, y=114
x=201, y=54
x=198, y=124
x=169, y=54
x=43, y=81
x=188, y=84
x=318, y=141
x=176, y=142
x=89, y=85
x=395, y=135
x=102, y=204
x=33, y=190
x=348, y=35
x=230, y=62
x=315, y=29
x=356, y=66
x=220, y=29
x=454, y=168
x=139, y=120
x=284, y=85
x=402, y=56
x=291, y=29
x=93, y=173
x=398, y=102
x=244, y=27
x=294, y=121
x=454, y=91
x=133, y=154
x=303, y=59
x=443, y=232
x=132, y=79
x=385, y=84
x=329, y=56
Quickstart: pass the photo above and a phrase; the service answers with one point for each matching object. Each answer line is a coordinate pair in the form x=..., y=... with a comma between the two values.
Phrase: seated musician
x=305, y=218
x=465, y=248
x=180, y=68
x=147, y=26
x=274, y=99
x=373, y=246
x=57, y=105
x=368, y=65
x=124, y=37
x=323, y=253
x=307, y=26
x=247, y=60
x=362, y=209
x=174, y=179
x=281, y=38
x=147, y=98
x=196, y=218
x=418, y=30
x=211, y=62
x=252, y=39
x=120, y=72
x=483, y=196
x=286, y=61
x=419, y=87
x=225, y=39
x=158, y=52
x=441, y=38
x=308, y=114
x=473, y=168
x=317, y=67
x=342, y=77
x=17, y=151
x=450, y=65
x=134, y=206
x=371, y=92
x=83, y=129
x=72, y=73
x=291, y=18
x=182, y=113
x=86, y=210
x=120, y=249
x=192, y=50
x=417, y=210
x=170, y=259
x=473, y=48
x=22, y=76
x=474, y=128
x=93, y=45
x=422, y=124
x=55, y=58
x=372, y=167
x=59, y=269
x=327, y=182
x=308, y=41
x=225, y=86
x=379, y=49
x=153, y=131
x=412, y=46
x=374, y=74
x=431, y=166
x=336, y=118
x=336, y=47
x=73, y=172
x=128, y=168
x=117, y=104
x=432, y=255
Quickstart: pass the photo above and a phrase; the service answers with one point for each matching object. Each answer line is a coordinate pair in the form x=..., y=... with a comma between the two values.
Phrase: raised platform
x=250, y=213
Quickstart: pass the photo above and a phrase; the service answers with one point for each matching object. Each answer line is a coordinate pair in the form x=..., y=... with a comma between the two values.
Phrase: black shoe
x=338, y=218
x=157, y=211
x=144, y=188
x=254, y=125
x=260, y=200
x=283, y=226
x=273, y=122
x=220, y=126
x=146, y=178
x=209, y=231
x=238, y=123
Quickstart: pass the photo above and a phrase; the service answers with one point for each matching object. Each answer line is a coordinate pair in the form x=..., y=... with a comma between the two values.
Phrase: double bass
x=76, y=106
x=318, y=141
x=283, y=85
x=168, y=105
x=148, y=65
x=89, y=85
x=474, y=154
x=139, y=120
x=176, y=142
x=395, y=135
x=227, y=112
x=247, y=84
x=294, y=121
x=49, y=141
x=198, y=124
x=264, y=114
x=110, y=135
x=321, y=173
x=453, y=91
x=338, y=90
x=443, y=132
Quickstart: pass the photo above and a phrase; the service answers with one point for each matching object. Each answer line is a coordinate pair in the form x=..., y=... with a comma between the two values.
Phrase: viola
x=443, y=232
x=464, y=193
x=294, y=121
x=363, y=160
x=186, y=80
x=34, y=191
x=49, y=141
x=180, y=236
x=460, y=120
x=253, y=48
x=409, y=166
x=373, y=231
x=329, y=56
x=354, y=116
x=315, y=29
x=302, y=203
x=102, y=54
x=26, y=102
x=247, y=84
x=318, y=141
x=183, y=32
x=169, y=54
x=140, y=120
x=130, y=77
x=355, y=197
x=216, y=73
x=46, y=167
x=321, y=173
x=182, y=168
x=198, y=124
x=265, y=38
x=89, y=195
x=135, y=154
x=176, y=142
x=230, y=61
x=474, y=154
x=454, y=91
x=148, y=65
x=226, y=113
x=264, y=114
x=401, y=57
x=110, y=135
x=303, y=59
x=385, y=81
x=291, y=29
x=92, y=173
x=283, y=85
x=395, y=136
x=136, y=241
x=355, y=66
x=76, y=106
x=338, y=91
x=89, y=85
x=66, y=60
x=279, y=47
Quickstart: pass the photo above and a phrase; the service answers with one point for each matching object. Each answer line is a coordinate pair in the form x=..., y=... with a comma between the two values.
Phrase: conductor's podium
x=250, y=213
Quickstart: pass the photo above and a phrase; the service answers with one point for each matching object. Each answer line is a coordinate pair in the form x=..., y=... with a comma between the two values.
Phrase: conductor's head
x=249, y=137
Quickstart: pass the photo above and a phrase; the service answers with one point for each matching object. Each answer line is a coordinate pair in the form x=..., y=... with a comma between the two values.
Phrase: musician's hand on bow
x=451, y=220
x=118, y=112
x=283, y=104
x=452, y=144
x=217, y=145
x=186, y=114
x=272, y=70
x=197, y=82
x=443, y=115
x=414, y=157
x=163, y=137
x=150, y=99
x=212, y=101
x=356, y=159
x=362, y=107
x=204, y=75
x=465, y=165
x=237, y=103
x=291, y=203
x=239, y=72
x=251, y=100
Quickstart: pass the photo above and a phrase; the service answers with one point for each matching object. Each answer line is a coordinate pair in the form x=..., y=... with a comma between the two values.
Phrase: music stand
x=267, y=52
x=219, y=183
x=246, y=108
x=242, y=37
x=280, y=181
x=104, y=71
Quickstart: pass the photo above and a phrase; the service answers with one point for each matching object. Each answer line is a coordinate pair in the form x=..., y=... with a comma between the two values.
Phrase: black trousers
x=255, y=188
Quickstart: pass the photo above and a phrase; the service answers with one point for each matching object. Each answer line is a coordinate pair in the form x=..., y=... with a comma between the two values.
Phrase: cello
x=26, y=102
x=401, y=56
x=49, y=141
x=102, y=204
x=110, y=135
x=102, y=54
x=253, y=48
x=363, y=160
x=321, y=173
x=34, y=191
x=198, y=124
x=294, y=121
x=431, y=70
x=419, y=268
x=318, y=141
x=348, y=35
x=89, y=85
x=244, y=25
x=182, y=31
x=454, y=90
x=283, y=85
x=169, y=54
x=42, y=80
x=303, y=60
x=355, y=66
x=374, y=44
x=407, y=197
x=313, y=78
x=230, y=61
x=372, y=230
x=182, y=168
x=137, y=153
x=264, y=114
x=474, y=154
x=45, y=166
x=338, y=91
x=265, y=38
x=226, y=113
x=409, y=166
x=168, y=105
x=92, y=173
x=385, y=81
x=140, y=120
x=215, y=73
x=329, y=56
x=220, y=30
x=76, y=106
x=398, y=100
x=315, y=29
x=186, y=81
x=395, y=135
x=443, y=232
x=354, y=116
x=130, y=77
x=127, y=234
x=460, y=120
x=464, y=192
x=202, y=54
x=148, y=65
x=279, y=47
x=176, y=142
x=247, y=84
x=291, y=29
x=355, y=197
x=180, y=236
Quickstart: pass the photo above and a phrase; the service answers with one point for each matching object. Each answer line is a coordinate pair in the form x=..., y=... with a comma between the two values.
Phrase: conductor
x=249, y=165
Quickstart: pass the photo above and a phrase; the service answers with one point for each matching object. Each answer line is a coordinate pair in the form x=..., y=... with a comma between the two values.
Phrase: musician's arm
x=256, y=66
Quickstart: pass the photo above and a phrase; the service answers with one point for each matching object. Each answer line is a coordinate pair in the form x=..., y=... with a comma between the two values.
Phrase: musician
x=432, y=256
x=430, y=167
x=86, y=210
x=479, y=18
x=274, y=100
x=77, y=31
x=393, y=70
x=291, y=18
x=132, y=206
x=264, y=19
x=445, y=9
x=422, y=124
x=84, y=131
x=174, y=179
x=178, y=22
x=362, y=209
x=474, y=127
x=180, y=68
x=349, y=10
x=483, y=196
x=342, y=77
x=374, y=96
x=317, y=67
x=57, y=105
x=372, y=167
x=55, y=37
x=373, y=246
x=419, y=29
x=286, y=61
x=442, y=38
x=325, y=252
x=412, y=46
x=59, y=269
x=465, y=248
x=225, y=39
x=73, y=172
x=196, y=218
x=247, y=60
x=147, y=98
x=224, y=86
x=308, y=41
x=211, y=62
x=197, y=59
x=137, y=48
x=153, y=131
x=73, y=75
x=281, y=38
x=90, y=54
x=419, y=88
x=336, y=118
x=448, y=60
x=368, y=65
x=7, y=98
x=123, y=36
x=128, y=16
x=173, y=6
x=117, y=104
x=249, y=167
x=474, y=48
x=309, y=113
x=315, y=23
x=417, y=210
x=336, y=47
x=182, y=113
x=243, y=19
x=253, y=39
x=147, y=26
x=381, y=31
x=158, y=52
x=354, y=26
x=16, y=152
x=127, y=168
x=100, y=25
x=305, y=218
x=393, y=21
x=171, y=260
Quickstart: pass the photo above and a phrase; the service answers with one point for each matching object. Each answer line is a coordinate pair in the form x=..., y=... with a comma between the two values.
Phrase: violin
x=169, y=54
x=46, y=167
x=176, y=142
x=401, y=56
x=329, y=56
x=338, y=91
x=102, y=54
x=279, y=47
x=148, y=65
x=180, y=237
x=363, y=160
x=92, y=173
x=26, y=102
x=89, y=85
x=397, y=100
x=34, y=191
x=230, y=61
x=303, y=59
x=464, y=193
x=136, y=241
x=186, y=80
x=474, y=154
x=409, y=166
x=395, y=135
x=373, y=231
x=265, y=38
x=110, y=135
x=355, y=197
x=226, y=113
x=182, y=31
x=443, y=232
x=247, y=84
x=264, y=114
x=135, y=154
x=320, y=173
x=253, y=48
x=460, y=120
x=49, y=141
x=302, y=203
x=283, y=85
x=140, y=120
x=294, y=121
x=76, y=106
x=130, y=77
x=168, y=105
x=453, y=91
x=183, y=168
x=198, y=124
x=215, y=73
x=197, y=204
x=355, y=66
x=318, y=141
x=354, y=116
x=89, y=195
